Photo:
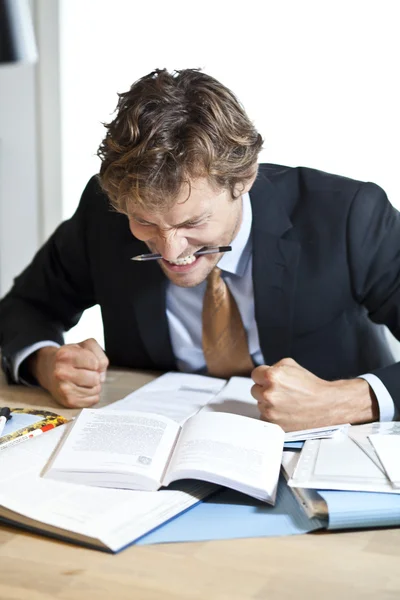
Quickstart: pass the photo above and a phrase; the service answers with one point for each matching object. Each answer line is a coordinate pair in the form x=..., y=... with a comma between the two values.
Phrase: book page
x=117, y=442
x=114, y=517
x=177, y=396
x=229, y=448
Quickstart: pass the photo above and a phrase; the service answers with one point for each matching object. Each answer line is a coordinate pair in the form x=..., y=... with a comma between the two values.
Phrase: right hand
x=73, y=373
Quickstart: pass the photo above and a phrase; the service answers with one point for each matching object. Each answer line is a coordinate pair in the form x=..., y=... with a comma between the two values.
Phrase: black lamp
x=17, y=40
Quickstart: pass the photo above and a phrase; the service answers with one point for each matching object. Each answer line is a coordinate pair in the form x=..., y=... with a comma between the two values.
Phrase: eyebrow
x=191, y=220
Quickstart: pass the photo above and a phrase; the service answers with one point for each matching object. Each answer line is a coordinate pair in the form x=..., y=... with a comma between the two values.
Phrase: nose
x=171, y=246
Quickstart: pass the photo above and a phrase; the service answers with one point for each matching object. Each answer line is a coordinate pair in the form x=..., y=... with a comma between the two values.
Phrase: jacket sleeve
x=49, y=296
x=373, y=239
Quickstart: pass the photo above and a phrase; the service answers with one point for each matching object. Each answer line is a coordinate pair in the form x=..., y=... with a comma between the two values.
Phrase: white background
x=320, y=79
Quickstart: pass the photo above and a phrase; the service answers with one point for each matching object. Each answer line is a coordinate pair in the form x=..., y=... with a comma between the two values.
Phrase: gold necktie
x=224, y=337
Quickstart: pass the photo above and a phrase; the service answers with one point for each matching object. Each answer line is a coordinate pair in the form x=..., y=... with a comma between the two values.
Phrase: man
x=314, y=267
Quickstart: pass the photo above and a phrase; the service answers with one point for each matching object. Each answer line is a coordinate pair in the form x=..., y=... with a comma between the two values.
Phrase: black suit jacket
x=326, y=272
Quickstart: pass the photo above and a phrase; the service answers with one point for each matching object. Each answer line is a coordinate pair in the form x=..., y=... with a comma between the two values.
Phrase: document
x=316, y=433
x=177, y=396
x=360, y=434
x=338, y=464
x=387, y=448
x=145, y=451
x=235, y=397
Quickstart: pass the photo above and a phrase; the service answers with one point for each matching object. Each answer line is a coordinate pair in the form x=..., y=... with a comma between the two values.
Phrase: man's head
x=176, y=159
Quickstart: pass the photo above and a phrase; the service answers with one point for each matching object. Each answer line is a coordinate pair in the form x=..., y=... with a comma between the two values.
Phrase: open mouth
x=187, y=260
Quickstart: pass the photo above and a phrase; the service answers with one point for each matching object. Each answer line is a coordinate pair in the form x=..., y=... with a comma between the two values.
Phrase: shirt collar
x=235, y=261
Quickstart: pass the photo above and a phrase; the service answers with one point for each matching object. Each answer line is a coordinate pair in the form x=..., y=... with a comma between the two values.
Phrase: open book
x=145, y=451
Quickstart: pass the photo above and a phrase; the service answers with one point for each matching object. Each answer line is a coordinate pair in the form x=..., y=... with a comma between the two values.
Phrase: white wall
x=19, y=228
x=320, y=79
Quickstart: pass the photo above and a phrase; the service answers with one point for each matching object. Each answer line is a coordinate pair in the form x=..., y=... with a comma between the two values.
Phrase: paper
x=235, y=397
x=388, y=450
x=360, y=435
x=338, y=464
x=177, y=396
x=112, y=517
x=316, y=433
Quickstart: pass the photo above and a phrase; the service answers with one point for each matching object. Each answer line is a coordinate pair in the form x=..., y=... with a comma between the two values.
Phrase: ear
x=244, y=186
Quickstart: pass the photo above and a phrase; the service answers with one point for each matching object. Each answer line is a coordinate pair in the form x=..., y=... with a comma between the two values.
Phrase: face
x=208, y=217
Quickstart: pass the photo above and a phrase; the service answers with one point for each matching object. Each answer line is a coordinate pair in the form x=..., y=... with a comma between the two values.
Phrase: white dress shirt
x=184, y=314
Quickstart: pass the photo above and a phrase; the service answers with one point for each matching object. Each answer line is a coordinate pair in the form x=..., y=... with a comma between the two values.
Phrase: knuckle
x=104, y=362
x=273, y=375
x=59, y=373
x=64, y=388
x=92, y=379
x=88, y=342
x=65, y=353
x=288, y=361
x=269, y=399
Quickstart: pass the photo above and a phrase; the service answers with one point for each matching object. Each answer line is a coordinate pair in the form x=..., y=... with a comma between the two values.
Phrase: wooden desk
x=321, y=565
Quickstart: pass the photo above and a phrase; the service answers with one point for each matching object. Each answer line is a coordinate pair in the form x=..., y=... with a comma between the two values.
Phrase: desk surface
x=320, y=565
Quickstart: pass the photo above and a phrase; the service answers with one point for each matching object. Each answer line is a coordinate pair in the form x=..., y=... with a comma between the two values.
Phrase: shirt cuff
x=387, y=409
x=19, y=358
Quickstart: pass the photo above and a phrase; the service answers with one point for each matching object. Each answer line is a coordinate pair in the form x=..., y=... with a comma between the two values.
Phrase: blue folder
x=229, y=514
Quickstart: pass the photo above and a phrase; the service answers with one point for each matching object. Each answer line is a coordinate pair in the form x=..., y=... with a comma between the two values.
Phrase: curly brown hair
x=171, y=128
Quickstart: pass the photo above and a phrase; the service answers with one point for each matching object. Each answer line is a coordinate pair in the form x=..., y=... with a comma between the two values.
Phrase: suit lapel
x=148, y=293
x=275, y=262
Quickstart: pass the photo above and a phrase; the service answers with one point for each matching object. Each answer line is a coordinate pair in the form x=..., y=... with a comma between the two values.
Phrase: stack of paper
x=361, y=458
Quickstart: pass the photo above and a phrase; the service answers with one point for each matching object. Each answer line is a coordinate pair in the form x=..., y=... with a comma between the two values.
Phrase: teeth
x=188, y=260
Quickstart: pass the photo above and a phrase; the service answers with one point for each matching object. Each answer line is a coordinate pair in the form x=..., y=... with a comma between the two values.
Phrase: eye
x=141, y=223
x=191, y=224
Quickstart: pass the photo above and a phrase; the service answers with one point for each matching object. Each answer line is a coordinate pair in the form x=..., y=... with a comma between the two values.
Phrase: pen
x=21, y=438
x=209, y=250
x=5, y=415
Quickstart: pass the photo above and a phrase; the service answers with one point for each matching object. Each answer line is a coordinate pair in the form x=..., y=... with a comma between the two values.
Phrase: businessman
x=298, y=302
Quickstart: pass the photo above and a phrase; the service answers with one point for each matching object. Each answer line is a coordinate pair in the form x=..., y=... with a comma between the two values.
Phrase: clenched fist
x=294, y=398
x=73, y=373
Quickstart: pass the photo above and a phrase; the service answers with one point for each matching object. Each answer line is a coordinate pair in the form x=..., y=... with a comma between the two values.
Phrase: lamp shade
x=17, y=40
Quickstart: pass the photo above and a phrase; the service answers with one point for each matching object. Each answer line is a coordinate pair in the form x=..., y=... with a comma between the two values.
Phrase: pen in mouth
x=202, y=251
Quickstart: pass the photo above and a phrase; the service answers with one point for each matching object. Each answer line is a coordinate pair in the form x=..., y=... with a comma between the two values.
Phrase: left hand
x=294, y=398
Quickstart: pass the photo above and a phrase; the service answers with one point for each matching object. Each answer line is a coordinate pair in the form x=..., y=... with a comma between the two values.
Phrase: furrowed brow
x=186, y=222
x=193, y=219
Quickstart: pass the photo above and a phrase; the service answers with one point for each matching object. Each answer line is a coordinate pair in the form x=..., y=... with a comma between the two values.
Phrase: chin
x=189, y=279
